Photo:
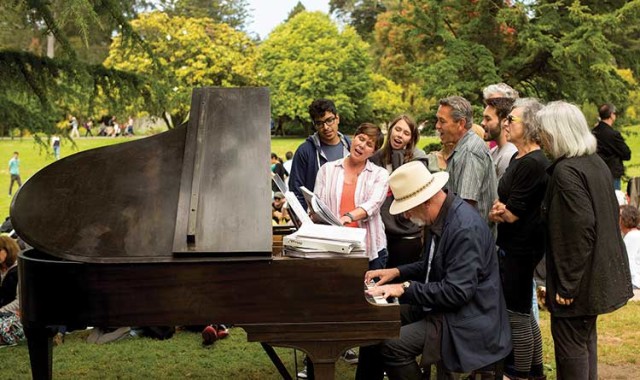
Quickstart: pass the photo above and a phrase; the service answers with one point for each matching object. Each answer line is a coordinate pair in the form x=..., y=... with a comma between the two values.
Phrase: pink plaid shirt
x=371, y=192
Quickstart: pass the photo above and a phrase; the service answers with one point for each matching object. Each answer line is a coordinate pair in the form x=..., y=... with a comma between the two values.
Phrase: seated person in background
x=456, y=315
x=279, y=212
x=629, y=220
x=11, y=331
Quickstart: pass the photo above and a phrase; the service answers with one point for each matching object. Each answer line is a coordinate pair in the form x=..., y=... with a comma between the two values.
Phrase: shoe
x=302, y=374
x=223, y=331
x=209, y=335
x=350, y=357
x=115, y=335
x=58, y=339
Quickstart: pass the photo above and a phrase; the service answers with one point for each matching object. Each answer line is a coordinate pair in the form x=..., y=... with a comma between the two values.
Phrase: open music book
x=318, y=207
x=313, y=240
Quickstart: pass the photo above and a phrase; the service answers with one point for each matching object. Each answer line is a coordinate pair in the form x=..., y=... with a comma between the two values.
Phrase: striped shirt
x=472, y=175
x=371, y=191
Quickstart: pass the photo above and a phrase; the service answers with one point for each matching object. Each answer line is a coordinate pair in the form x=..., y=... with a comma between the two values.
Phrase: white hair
x=499, y=90
x=566, y=129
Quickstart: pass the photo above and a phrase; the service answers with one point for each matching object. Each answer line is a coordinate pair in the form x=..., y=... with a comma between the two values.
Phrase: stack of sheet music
x=318, y=240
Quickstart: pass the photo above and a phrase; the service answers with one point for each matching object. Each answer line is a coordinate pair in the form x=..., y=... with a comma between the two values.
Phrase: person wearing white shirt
x=629, y=219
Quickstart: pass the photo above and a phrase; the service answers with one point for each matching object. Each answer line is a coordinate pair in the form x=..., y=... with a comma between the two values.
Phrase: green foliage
x=360, y=14
x=231, y=12
x=309, y=58
x=569, y=50
x=298, y=8
x=36, y=92
x=189, y=53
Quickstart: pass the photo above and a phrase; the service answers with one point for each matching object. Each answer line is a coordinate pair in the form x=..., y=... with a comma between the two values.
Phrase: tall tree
x=360, y=14
x=308, y=57
x=549, y=49
x=191, y=52
x=298, y=8
x=234, y=13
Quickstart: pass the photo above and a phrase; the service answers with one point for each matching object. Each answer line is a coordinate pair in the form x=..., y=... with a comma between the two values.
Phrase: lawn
x=183, y=356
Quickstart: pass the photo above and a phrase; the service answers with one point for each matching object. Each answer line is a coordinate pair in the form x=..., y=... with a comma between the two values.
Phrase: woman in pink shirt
x=355, y=189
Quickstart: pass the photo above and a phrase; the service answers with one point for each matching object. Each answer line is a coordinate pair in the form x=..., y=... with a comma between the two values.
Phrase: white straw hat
x=413, y=184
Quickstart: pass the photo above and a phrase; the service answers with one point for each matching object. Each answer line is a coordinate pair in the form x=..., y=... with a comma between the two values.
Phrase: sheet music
x=319, y=207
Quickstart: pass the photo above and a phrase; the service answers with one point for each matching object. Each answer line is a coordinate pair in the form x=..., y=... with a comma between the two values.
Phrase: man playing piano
x=455, y=313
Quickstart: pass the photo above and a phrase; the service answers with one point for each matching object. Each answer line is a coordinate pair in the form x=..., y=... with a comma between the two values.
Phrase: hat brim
x=439, y=180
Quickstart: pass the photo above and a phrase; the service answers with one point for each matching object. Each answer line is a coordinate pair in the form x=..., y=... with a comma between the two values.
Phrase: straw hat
x=412, y=184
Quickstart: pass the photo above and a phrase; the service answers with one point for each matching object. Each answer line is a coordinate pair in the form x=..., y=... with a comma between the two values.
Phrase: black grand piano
x=175, y=229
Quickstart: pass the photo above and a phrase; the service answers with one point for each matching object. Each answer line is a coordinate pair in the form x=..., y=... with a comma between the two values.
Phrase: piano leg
x=40, y=343
x=275, y=359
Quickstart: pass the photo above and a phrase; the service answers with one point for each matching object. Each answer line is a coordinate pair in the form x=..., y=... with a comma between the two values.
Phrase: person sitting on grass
x=11, y=331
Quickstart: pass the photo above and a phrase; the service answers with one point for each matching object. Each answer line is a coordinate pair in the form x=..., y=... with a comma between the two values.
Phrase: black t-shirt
x=522, y=189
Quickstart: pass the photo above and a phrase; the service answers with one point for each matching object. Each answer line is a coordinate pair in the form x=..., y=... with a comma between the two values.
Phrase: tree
x=191, y=53
x=551, y=49
x=299, y=7
x=234, y=13
x=36, y=91
x=308, y=58
x=360, y=14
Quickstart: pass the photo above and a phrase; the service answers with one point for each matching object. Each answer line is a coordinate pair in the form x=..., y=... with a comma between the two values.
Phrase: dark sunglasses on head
x=513, y=119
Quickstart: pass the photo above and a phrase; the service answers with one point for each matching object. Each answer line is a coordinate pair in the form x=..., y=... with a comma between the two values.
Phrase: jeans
x=381, y=261
x=617, y=184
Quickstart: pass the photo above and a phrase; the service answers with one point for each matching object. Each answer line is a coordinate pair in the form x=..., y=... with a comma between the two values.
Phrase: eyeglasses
x=328, y=122
x=513, y=119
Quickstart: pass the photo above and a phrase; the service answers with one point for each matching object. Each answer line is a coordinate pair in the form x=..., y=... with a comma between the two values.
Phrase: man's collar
x=438, y=225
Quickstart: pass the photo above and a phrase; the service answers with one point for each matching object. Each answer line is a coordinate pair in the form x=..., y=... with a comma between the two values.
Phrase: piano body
x=175, y=229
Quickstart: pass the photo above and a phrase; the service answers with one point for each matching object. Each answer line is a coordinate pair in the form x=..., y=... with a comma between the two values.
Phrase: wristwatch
x=348, y=214
x=405, y=285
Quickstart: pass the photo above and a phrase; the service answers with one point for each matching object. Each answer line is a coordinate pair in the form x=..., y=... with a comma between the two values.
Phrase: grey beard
x=418, y=222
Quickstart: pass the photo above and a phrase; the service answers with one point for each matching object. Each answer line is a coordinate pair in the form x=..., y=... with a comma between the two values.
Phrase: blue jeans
x=381, y=261
x=617, y=184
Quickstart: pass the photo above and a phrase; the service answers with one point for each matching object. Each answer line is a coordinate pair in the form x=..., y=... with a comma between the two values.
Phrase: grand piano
x=175, y=229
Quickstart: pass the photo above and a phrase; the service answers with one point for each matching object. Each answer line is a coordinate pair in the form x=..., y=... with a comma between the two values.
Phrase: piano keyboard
x=378, y=300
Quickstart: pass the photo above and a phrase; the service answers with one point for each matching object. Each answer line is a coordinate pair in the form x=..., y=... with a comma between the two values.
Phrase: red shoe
x=223, y=331
x=209, y=335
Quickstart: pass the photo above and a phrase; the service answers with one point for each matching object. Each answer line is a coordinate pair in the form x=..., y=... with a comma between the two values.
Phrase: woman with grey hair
x=521, y=235
x=587, y=266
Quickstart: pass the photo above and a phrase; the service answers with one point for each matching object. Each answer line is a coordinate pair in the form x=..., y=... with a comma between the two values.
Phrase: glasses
x=513, y=119
x=328, y=122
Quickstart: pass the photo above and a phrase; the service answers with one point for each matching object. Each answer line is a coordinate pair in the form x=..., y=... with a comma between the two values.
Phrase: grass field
x=183, y=356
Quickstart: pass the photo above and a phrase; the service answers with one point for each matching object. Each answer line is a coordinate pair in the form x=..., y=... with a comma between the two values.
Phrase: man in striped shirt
x=471, y=172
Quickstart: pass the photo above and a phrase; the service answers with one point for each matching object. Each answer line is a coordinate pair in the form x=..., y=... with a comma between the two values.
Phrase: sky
x=267, y=14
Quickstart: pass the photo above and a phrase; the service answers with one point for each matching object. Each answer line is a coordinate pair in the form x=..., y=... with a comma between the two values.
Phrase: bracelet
x=350, y=216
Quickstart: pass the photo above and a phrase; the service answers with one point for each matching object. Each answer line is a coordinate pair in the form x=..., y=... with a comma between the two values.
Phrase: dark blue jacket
x=307, y=161
x=464, y=285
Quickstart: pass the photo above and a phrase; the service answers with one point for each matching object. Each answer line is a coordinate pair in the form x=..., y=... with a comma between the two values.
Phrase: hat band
x=416, y=192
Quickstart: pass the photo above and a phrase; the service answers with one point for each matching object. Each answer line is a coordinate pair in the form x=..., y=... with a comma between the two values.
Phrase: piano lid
x=201, y=190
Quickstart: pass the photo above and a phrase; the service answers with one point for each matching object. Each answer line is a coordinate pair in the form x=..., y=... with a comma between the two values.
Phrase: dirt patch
x=618, y=372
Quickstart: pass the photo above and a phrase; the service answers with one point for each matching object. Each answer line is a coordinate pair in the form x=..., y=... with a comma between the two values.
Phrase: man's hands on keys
x=384, y=276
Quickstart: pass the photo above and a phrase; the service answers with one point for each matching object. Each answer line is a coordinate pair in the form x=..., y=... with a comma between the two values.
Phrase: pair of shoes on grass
x=212, y=333
x=349, y=356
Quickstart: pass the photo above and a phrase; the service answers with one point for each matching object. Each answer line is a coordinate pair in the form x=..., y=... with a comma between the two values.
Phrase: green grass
x=183, y=356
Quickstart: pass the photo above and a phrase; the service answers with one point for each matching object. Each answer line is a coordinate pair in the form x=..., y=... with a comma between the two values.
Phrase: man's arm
x=620, y=147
